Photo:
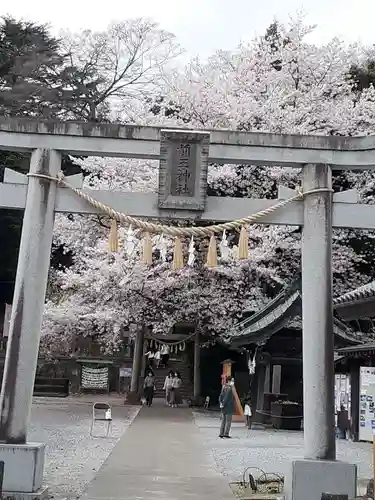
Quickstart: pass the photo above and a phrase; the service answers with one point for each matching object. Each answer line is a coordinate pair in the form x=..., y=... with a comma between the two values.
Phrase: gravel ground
x=269, y=450
x=72, y=456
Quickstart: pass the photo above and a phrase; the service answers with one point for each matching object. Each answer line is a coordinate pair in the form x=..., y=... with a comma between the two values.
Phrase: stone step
x=161, y=373
x=161, y=394
x=50, y=394
x=263, y=496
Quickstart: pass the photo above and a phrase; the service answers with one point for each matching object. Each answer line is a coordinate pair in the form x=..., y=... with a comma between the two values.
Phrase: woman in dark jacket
x=342, y=422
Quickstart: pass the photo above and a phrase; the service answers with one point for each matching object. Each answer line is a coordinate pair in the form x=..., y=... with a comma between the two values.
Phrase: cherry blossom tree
x=107, y=293
x=283, y=84
x=280, y=84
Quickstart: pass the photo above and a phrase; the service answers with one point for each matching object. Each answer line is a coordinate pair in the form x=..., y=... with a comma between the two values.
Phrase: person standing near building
x=165, y=350
x=342, y=422
x=227, y=406
x=150, y=355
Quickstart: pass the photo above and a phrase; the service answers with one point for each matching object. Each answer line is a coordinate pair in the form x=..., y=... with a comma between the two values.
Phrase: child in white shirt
x=157, y=358
x=247, y=412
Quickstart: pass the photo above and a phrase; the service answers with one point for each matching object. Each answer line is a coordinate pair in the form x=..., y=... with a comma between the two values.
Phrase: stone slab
x=23, y=467
x=308, y=479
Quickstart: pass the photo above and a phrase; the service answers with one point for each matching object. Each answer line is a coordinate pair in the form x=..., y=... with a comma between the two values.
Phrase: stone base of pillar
x=308, y=479
x=41, y=494
x=23, y=469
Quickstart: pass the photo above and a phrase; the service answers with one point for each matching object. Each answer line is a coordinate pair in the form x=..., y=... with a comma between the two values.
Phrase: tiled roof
x=269, y=318
x=286, y=306
x=339, y=328
x=370, y=346
x=363, y=292
x=270, y=314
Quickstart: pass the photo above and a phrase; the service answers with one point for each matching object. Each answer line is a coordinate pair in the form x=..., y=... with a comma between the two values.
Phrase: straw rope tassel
x=178, y=259
x=243, y=244
x=212, y=253
x=113, y=237
x=147, y=249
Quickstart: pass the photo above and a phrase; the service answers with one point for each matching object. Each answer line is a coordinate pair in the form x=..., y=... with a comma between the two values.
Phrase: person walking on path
x=149, y=388
x=176, y=390
x=164, y=352
x=150, y=355
x=227, y=406
x=157, y=358
x=168, y=387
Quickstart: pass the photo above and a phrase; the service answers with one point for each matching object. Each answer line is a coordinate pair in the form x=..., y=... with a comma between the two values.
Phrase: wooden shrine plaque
x=183, y=170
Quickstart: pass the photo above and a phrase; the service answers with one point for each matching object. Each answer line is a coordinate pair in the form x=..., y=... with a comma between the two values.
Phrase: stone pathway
x=161, y=456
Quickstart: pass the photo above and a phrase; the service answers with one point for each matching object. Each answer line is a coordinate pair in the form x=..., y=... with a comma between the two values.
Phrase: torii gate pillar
x=320, y=472
x=317, y=316
x=24, y=333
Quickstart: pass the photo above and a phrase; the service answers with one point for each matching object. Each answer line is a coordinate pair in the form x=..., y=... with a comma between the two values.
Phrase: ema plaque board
x=183, y=170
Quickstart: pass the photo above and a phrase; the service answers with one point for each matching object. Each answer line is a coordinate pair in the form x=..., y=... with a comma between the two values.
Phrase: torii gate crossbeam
x=317, y=213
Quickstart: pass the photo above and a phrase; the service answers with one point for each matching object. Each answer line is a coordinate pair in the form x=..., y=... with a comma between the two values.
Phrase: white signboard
x=342, y=393
x=126, y=372
x=366, y=402
x=94, y=378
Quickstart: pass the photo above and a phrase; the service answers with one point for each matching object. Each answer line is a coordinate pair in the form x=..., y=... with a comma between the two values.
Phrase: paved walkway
x=161, y=456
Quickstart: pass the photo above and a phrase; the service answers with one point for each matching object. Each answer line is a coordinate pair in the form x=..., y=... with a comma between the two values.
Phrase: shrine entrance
x=184, y=156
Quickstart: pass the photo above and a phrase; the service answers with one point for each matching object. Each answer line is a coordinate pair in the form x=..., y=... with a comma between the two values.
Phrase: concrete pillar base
x=23, y=468
x=308, y=479
x=41, y=494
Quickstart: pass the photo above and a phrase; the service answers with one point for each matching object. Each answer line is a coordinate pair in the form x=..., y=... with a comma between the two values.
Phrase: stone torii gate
x=317, y=213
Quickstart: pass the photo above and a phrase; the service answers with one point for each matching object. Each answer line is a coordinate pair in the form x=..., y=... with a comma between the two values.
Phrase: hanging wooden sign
x=183, y=170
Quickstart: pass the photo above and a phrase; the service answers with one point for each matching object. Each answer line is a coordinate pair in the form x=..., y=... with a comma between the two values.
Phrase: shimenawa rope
x=177, y=231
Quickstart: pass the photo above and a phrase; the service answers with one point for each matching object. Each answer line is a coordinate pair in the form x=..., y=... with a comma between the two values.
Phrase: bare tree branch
x=124, y=62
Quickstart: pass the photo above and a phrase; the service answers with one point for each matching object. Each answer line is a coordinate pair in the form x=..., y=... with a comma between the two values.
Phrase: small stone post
x=317, y=316
x=28, y=300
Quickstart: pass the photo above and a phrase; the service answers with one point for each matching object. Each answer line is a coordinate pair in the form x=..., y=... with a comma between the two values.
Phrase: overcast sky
x=202, y=26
